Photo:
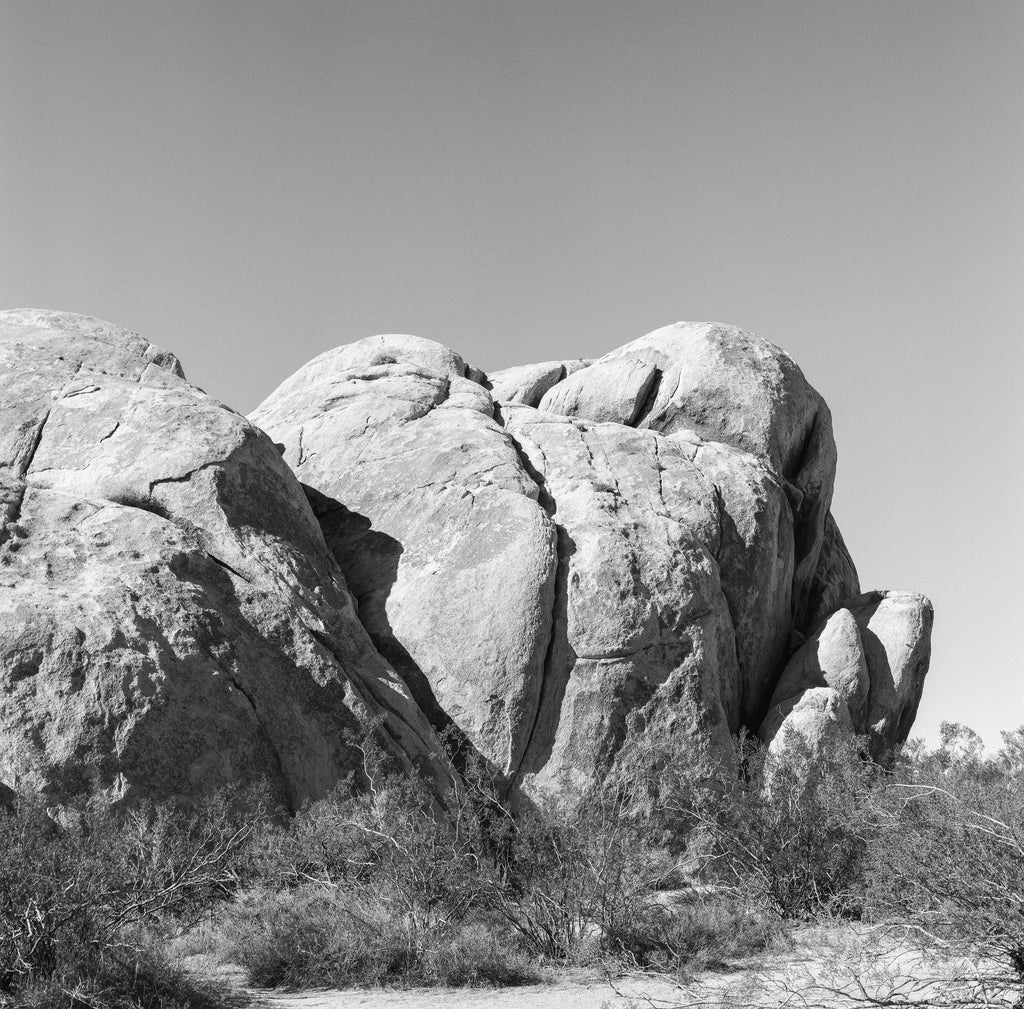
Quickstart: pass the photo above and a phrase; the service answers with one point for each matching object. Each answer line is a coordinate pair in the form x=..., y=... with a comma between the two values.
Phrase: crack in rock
x=184, y=477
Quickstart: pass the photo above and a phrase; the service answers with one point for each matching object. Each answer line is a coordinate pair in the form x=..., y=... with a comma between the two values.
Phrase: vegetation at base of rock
x=375, y=889
x=313, y=937
x=675, y=867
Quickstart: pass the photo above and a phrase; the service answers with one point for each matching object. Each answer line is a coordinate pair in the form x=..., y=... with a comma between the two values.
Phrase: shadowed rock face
x=171, y=619
x=561, y=558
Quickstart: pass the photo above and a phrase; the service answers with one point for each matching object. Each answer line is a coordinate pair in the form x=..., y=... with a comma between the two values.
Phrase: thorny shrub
x=946, y=863
x=81, y=899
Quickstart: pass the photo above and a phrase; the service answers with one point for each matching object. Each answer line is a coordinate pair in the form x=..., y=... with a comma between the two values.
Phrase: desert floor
x=805, y=974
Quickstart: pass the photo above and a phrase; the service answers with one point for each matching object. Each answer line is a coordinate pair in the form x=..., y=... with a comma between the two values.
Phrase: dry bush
x=575, y=880
x=792, y=833
x=947, y=861
x=924, y=865
x=316, y=936
x=382, y=887
x=81, y=901
x=146, y=980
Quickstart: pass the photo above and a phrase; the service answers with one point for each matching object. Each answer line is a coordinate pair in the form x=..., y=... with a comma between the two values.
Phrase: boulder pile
x=551, y=562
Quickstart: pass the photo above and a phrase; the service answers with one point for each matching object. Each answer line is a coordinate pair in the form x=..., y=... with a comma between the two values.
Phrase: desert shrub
x=947, y=862
x=389, y=847
x=714, y=933
x=579, y=879
x=479, y=953
x=383, y=887
x=145, y=980
x=697, y=933
x=936, y=846
x=313, y=935
x=310, y=936
x=792, y=833
x=81, y=901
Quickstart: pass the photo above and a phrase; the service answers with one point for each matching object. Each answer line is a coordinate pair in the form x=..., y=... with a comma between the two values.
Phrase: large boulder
x=728, y=386
x=645, y=638
x=436, y=524
x=564, y=557
x=171, y=619
x=527, y=383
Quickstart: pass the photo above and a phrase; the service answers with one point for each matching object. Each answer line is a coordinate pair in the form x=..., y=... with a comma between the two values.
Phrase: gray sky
x=250, y=183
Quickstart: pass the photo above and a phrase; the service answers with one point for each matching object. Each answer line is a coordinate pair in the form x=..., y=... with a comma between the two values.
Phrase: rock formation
x=170, y=617
x=553, y=561
x=562, y=557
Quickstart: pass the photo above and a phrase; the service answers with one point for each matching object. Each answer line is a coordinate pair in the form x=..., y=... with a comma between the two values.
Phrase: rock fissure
x=616, y=655
x=15, y=505
x=548, y=686
x=184, y=477
x=33, y=447
x=362, y=686
x=227, y=567
x=13, y=513
x=544, y=497
x=659, y=468
x=236, y=683
x=559, y=595
x=650, y=397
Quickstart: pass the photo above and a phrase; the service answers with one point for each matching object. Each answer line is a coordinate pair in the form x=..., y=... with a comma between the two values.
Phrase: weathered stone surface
x=671, y=612
x=834, y=657
x=873, y=653
x=614, y=390
x=835, y=578
x=642, y=639
x=896, y=631
x=170, y=617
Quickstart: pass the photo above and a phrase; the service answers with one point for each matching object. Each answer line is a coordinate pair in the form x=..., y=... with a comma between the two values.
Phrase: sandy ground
x=793, y=977
x=571, y=989
x=593, y=994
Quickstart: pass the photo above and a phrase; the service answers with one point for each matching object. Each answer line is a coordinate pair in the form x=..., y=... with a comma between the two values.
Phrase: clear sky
x=250, y=183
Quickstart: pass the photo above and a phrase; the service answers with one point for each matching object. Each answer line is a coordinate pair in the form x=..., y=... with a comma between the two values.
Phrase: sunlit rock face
x=564, y=558
x=171, y=620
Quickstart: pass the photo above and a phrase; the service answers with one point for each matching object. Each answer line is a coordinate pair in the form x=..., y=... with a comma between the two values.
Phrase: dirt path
x=593, y=994
x=577, y=989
